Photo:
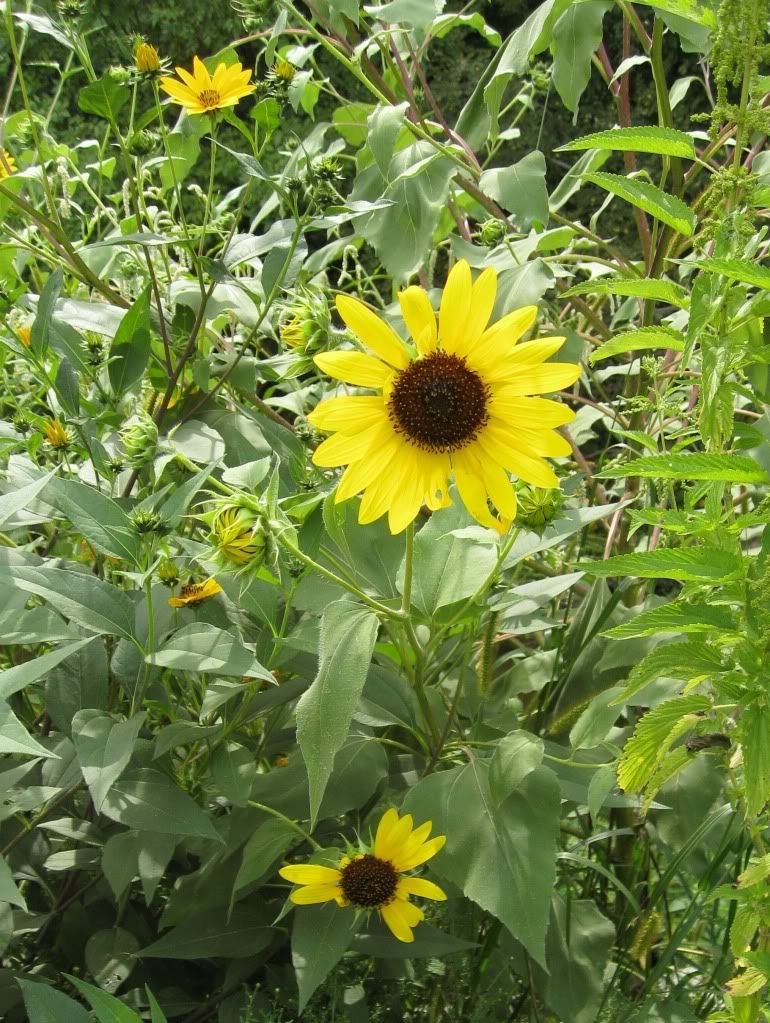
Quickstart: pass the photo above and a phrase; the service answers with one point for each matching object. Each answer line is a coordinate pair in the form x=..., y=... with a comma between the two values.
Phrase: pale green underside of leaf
x=695, y=466
x=643, y=339
x=664, y=207
x=744, y=271
x=690, y=564
x=644, y=139
x=652, y=738
x=633, y=287
x=677, y=617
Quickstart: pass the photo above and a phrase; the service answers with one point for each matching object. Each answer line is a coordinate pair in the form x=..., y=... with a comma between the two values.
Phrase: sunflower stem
x=408, y=568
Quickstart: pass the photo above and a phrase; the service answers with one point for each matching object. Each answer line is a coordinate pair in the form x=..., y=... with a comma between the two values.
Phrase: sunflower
x=195, y=593
x=56, y=434
x=371, y=880
x=25, y=335
x=7, y=164
x=200, y=92
x=461, y=405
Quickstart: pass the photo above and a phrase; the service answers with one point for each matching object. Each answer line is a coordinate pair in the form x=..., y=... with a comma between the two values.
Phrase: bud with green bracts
x=537, y=507
x=238, y=532
x=139, y=441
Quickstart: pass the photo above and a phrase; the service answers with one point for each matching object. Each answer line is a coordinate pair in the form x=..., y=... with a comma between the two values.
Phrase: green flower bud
x=238, y=534
x=537, y=507
x=139, y=441
x=491, y=232
x=142, y=143
x=149, y=522
x=168, y=573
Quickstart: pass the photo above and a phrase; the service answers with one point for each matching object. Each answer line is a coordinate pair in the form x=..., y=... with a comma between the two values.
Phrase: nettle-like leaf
x=645, y=196
x=675, y=617
x=657, y=290
x=644, y=752
x=694, y=466
x=640, y=340
x=691, y=564
x=639, y=139
x=754, y=734
x=685, y=661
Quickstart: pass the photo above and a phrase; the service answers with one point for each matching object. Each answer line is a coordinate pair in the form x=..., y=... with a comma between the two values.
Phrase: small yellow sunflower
x=147, y=58
x=7, y=164
x=200, y=92
x=25, y=335
x=195, y=593
x=462, y=405
x=371, y=880
x=56, y=434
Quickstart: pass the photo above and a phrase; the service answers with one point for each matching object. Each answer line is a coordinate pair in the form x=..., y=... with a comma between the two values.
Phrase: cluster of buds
x=305, y=323
x=239, y=532
x=94, y=345
x=139, y=441
x=537, y=507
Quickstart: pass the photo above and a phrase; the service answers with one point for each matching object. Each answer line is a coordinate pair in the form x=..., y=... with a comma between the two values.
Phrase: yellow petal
x=348, y=413
x=472, y=491
x=310, y=873
x=314, y=893
x=424, y=853
x=549, y=376
x=528, y=413
x=189, y=80
x=419, y=318
x=543, y=442
x=359, y=475
x=355, y=368
x=455, y=307
x=421, y=887
x=342, y=448
x=499, y=488
x=373, y=331
x=497, y=445
x=396, y=837
x=201, y=73
x=483, y=295
x=388, y=821
x=178, y=90
x=401, y=917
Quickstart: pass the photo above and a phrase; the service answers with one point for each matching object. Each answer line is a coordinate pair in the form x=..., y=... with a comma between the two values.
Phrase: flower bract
x=464, y=404
x=377, y=880
x=201, y=92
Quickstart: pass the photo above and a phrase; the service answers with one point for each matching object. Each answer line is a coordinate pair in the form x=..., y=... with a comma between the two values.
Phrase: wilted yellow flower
x=7, y=165
x=371, y=880
x=56, y=434
x=200, y=92
x=25, y=335
x=195, y=593
x=463, y=405
x=147, y=58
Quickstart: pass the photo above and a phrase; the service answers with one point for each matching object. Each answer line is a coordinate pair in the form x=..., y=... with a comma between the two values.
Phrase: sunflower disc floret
x=376, y=879
x=463, y=403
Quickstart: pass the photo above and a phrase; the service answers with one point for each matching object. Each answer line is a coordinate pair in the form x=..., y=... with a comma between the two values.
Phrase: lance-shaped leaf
x=642, y=139
x=664, y=207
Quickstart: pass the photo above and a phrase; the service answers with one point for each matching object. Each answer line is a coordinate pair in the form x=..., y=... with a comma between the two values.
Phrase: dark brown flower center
x=209, y=98
x=439, y=403
x=369, y=882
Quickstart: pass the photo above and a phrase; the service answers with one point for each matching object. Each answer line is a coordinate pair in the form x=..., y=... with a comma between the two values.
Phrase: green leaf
x=96, y=605
x=695, y=466
x=172, y=510
x=104, y=97
x=684, y=661
x=428, y=942
x=41, y=325
x=106, y=1007
x=699, y=11
x=414, y=13
x=577, y=952
x=202, y=647
x=501, y=855
x=520, y=190
x=674, y=618
x=9, y=893
x=14, y=737
x=384, y=124
x=664, y=207
x=639, y=340
x=104, y=746
x=12, y=680
x=157, y=1014
x=633, y=287
x=321, y=935
x=147, y=800
x=268, y=843
x=325, y=711
x=233, y=769
x=686, y=564
x=45, y=1004
x=653, y=736
x=576, y=35
x=130, y=349
x=15, y=500
x=100, y=519
x=67, y=387
x=641, y=139
x=744, y=271
x=591, y=728
x=754, y=731
x=514, y=757
x=210, y=935
x=110, y=956
x=448, y=568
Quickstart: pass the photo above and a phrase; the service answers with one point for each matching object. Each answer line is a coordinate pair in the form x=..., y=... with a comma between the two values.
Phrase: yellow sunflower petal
x=499, y=446
x=373, y=331
x=548, y=376
x=342, y=448
x=472, y=491
x=359, y=475
x=395, y=837
x=543, y=442
x=178, y=90
x=424, y=853
x=500, y=339
x=314, y=893
x=200, y=71
x=310, y=873
x=455, y=307
x=502, y=367
x=401, y=916
x=483, y=295
x=499, y=488
x=421, y=887
x=419, y=318
x=528, y=413
x=388, y=821
x=342, y=413
x=355, y=368
x=436, y=491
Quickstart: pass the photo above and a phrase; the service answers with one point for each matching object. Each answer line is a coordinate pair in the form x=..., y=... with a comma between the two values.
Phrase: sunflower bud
x=71, y=10
x=25, y=335
x=238, y=534
x=147, y=58
x=142, y=143
x=119, y=75
x=56, y=434
x=304, y=325
x=537, y=507
x=491, y=232
x=139, y=441
x=168, y=573
x=283, y=71
x=149, y=522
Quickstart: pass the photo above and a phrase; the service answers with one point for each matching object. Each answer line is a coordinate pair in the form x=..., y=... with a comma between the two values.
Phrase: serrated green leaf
x=633, y=287
x=695, y=466
x=150, y=801
x=702, y=13
x=14, y=737
x=642, y=339
x=201, y=647
x=664, y=207
x=520, y=189
x=754, y=732
x=745, y=271
x=105, y=97
x=685, y=564
x=683, y=661
x=325, y=711
x=643, y=139
x=652, y=738
x=677, y=617
x=745, y=925
x=210, y=935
